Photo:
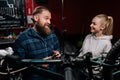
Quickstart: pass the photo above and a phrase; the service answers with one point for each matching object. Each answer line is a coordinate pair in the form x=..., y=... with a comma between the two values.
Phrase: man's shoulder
x=27, y=31
x=24, y=35
x=52, y=34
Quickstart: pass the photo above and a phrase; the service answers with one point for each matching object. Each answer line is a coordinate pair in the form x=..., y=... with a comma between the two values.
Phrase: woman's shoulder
x=89, y=35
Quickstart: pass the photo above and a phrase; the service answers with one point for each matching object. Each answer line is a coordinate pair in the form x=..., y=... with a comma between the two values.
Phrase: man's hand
x=46, y=58
x=56, y=54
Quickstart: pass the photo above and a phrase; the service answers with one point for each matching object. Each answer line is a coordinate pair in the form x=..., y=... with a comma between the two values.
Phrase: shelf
x=6, y=41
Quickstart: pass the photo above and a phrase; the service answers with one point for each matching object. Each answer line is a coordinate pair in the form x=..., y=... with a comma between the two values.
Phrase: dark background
x=74, y=16
x=78, y=14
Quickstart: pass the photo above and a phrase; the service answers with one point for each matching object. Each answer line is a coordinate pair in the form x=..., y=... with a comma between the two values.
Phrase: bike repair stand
x=67, y=65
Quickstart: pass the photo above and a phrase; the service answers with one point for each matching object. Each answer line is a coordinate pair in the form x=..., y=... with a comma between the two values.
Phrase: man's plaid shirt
x=32, y=45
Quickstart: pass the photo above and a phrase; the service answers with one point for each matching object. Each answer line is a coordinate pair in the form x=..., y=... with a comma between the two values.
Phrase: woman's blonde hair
x=107, y=23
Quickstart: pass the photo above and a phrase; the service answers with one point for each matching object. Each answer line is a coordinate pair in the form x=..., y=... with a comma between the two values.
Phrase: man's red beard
x=44, y=29
x=47, y=29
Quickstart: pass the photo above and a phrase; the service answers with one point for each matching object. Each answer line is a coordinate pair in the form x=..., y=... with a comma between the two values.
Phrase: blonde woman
x=99, y=41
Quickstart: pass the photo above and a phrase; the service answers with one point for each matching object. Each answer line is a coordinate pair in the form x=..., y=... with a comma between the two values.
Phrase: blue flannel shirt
x=32, y=45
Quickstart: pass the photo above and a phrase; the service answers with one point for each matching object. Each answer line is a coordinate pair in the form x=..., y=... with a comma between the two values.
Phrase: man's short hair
x=39, y=9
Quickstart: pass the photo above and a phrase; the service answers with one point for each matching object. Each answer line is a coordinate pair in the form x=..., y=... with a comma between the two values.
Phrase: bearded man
x=38, y=42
